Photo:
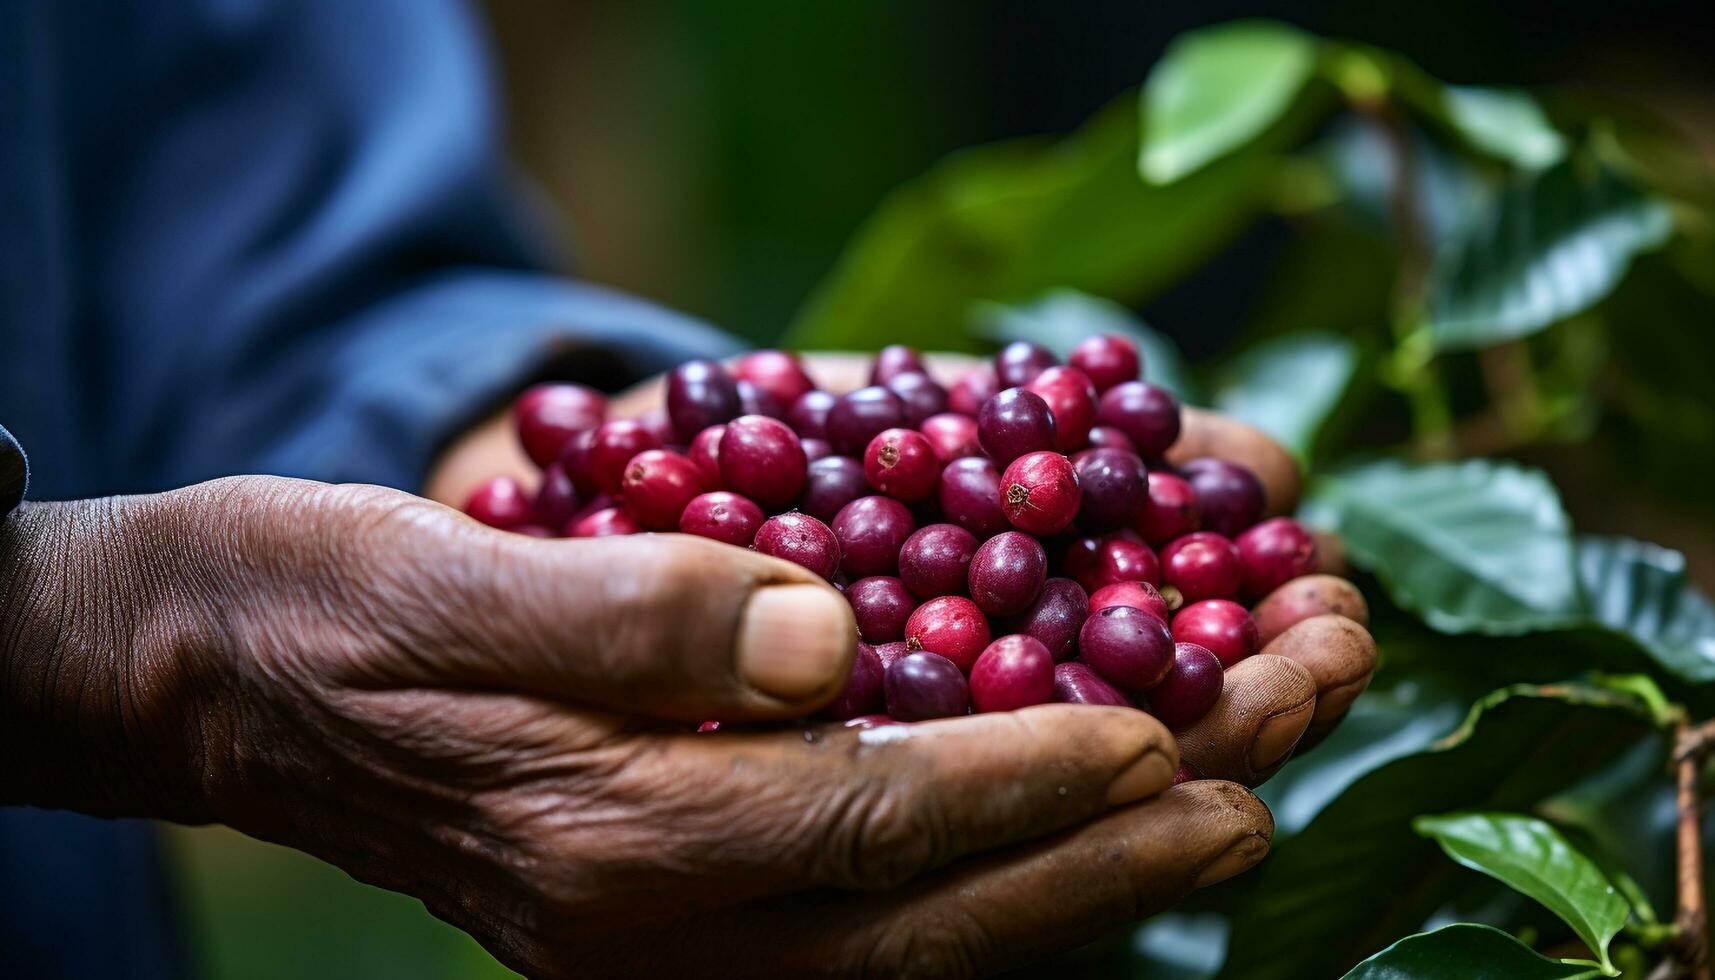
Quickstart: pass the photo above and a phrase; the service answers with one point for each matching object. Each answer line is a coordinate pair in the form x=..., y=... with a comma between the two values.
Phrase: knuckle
x=878, y=837
x=943, y=945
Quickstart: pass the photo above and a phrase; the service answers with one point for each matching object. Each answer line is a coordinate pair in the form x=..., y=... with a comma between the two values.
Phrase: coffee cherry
x=1108, y=360
x=1114, y=485
x=1072, y=403
x=501, y=502
x=808, y=416
x=761, y=458
x=924, y=685
x=815, y=449
x=1039, y=493
x=1138, y=595
x=1273, y=553
x=657, y=485
x=953, y=436
x=557, y=499
x=1076, y=683
x=1015, y=422
x=611, y=447
x=604, y=523
x=892, y=361
x=1170, y=510
x=935, y=559
x=802, y=540
x=921, y=395
x=757, y=401
x=658, y=425
x=547, y=416
x=863, y=694
x=700, y=394
x=1117, y=557
x=832, y=483
x=857, y=416
x=871, y=531
x=1148, y=415
x=1201, y=565
x=970, y=496
x=775, y=372
x=534, y=531
x=1229, y=496
x=972, y=390
x=951, y=626
x=723, y=516
x=1019, y=362
x=1219, y=624
x=1128, y=647
x=1007, y=573
x=1108, y=437
x=901, y=463
x=1012, y=672
x=881, y=604
x=1055, y=617
x=1190, y=688
x=887, y=653
x=705, y=452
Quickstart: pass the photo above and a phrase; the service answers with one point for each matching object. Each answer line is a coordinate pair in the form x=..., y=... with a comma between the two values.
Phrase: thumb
x=671, y=626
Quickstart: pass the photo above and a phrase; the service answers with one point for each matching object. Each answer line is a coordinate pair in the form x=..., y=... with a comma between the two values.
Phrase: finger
x=982, y=916
x=1304, y=597
x=1340, y=656
x=672, y=626
x=877, y=807
x=1266, y=704
x=1204, y=433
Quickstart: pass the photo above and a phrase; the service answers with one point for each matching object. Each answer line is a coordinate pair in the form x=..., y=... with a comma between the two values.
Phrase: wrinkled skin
x=501, y=727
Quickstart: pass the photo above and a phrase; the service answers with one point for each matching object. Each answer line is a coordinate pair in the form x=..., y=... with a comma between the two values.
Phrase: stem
x=1690, y=749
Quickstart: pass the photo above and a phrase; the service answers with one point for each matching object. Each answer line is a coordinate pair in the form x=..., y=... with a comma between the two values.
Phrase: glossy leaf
x=1009, y=221
x=1476, y=546
x=1063, y=317
x=1506, y=123
x=1355, y=873
x=1552, y=246
x=1531, y=856
x=1217, y=89
x=1466, y=951
x=1641, y=590
x=1287, y=387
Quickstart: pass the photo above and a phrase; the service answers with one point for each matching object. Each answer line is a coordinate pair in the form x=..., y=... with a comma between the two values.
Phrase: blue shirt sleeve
x=273, y=236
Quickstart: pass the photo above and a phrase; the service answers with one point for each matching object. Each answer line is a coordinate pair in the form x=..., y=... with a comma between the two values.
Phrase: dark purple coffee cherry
x=972, y=390
x=1273, y=553
x=1015, y=422
x=832, y=483
x=1012, y=672
x=881, y=604
x=1129, y=647
x=1229, y=496
x=871, y=531
x=863, y=693
x=1076, y=683
x=970, y=496
x=935, y=559
x=557, y=500
x=859, y=415
x=920, y=394
x=1019, y=362
x=700, y=394
x=1055, y=617
x=892, y=361
x=762, y=458
x=775, y=372
x=925, y=685
x=1148, y=415
x=808, y=416
x=802, y=540
x=1007, y=573
x=1170, y=512
x=1115, y=487
x=1072, y=402
x=1190, y=688
x=757, y=401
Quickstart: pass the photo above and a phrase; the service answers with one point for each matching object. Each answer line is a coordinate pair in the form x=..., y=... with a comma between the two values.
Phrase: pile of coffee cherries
x=1013, y=539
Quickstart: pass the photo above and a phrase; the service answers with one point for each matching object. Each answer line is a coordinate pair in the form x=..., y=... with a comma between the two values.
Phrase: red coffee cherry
x=775, y=372
x=935, y=560
x=951, y=626
x=723, y=516
x=761, y=458
x=1201, y=565
x=902, y=464
x=1273, y=553
x=1219, y=624
x=1012, y=672
x=1039, y=493
x=501, y=502
x=1169, y=511
x=547, y=416
x=802, y=540
x=1076, y=683
x=657, y=485
x=1071, y=399
x=1108, y=360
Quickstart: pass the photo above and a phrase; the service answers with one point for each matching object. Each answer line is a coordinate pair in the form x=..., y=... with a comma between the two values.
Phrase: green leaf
x=1355, y=875
x=1554, y=244
x=1217, y=89
x=1641, y=591
x=1058, y=320
x=1288, y=387
x=1475, y=546
x=1504, y=123
x=1009, y=221
x=1466, y=951
x=1531, y=856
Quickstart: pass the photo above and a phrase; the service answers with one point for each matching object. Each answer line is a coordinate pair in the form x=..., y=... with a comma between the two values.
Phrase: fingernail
x=1276, y=736
x=794, y=640
x=1240, y=857
x=1145, y=777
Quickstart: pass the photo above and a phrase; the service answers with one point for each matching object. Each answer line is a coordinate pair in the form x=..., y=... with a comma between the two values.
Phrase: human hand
x=500, y=726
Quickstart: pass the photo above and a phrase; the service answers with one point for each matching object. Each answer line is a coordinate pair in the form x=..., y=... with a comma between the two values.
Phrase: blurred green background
x=717, y=157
